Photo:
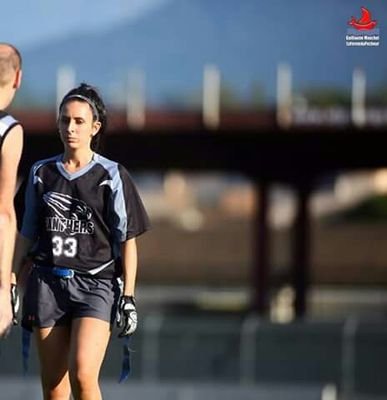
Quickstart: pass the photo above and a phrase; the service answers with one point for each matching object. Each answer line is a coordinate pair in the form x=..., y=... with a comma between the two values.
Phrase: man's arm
x=9, y=161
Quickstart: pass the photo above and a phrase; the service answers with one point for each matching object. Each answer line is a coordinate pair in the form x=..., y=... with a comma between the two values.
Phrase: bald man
x=11, y=144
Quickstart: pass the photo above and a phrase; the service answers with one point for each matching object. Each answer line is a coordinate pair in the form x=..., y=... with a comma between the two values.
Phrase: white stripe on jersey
x=5, y=123
x=95, y=271
x=107, y=182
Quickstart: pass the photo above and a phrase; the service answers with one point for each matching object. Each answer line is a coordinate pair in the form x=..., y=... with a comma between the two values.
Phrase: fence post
x=329, y=392
x=349, y=357
x=151, y=347
x=248, y=348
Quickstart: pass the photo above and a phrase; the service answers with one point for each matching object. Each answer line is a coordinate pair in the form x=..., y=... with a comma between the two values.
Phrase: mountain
x=245, y=38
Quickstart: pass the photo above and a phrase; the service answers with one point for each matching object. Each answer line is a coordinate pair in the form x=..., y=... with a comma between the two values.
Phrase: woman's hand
x=127, y=315
x=15, y=302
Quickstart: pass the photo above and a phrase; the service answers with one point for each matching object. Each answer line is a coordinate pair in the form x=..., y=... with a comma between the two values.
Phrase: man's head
x=10, y=73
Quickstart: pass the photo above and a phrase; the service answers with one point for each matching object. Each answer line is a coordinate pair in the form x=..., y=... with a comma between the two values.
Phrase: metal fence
x=192, y=354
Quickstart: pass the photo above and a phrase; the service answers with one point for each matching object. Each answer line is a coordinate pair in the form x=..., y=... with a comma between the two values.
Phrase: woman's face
x=76, y=125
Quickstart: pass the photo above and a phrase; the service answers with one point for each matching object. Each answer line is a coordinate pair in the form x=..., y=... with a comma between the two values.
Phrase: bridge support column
x=261, y=246
x=301, y=251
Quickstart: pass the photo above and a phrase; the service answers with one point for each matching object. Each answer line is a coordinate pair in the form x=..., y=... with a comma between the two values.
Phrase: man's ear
x=18, y=79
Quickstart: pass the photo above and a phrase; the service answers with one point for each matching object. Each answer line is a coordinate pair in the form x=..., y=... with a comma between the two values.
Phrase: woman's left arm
x=129, y=266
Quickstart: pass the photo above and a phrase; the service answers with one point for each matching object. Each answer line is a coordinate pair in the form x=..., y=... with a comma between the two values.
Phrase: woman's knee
x=83, y=378
x=56, y=392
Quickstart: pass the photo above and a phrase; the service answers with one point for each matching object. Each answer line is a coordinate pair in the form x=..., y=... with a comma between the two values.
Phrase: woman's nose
x=70, y=126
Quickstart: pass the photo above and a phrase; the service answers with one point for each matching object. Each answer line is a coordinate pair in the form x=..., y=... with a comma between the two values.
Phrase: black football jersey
x=7, y=122
x=78, y=220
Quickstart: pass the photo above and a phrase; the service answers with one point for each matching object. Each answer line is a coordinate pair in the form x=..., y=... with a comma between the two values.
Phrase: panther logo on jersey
x=62, y=203
x=63, y=206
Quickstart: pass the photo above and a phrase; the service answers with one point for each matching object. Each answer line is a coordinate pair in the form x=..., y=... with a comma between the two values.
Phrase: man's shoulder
x=7, y=122
x=3, y=114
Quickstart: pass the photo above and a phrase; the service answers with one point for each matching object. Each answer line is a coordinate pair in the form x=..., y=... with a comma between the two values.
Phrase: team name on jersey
x=69, y=226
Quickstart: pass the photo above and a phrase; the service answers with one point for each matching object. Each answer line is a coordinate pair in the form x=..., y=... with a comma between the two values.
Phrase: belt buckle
x=65, y=273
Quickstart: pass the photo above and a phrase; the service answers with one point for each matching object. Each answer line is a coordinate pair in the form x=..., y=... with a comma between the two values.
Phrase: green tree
x=327, y=96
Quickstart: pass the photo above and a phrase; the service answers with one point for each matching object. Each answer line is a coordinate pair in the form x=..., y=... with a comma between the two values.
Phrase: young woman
x=82, y=215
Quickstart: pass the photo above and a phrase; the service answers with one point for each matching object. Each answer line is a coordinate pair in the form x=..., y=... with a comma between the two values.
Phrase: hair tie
x=87, y=100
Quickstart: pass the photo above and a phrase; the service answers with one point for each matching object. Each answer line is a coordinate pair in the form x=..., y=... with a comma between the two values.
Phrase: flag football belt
x=60, y=272
x=103, y=271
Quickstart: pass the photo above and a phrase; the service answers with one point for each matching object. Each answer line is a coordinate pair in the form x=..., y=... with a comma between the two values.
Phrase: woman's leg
x=89, y=340
x=53, y=348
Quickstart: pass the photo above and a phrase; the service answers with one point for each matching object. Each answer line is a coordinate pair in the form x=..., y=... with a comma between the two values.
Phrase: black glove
x=127, y=315
x=15, y=302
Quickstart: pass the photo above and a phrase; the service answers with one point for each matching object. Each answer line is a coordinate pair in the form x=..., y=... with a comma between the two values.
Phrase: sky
x=30, y=22
x=41, y=24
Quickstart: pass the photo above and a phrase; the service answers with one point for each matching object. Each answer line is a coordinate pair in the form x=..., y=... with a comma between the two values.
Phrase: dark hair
x=90, y=95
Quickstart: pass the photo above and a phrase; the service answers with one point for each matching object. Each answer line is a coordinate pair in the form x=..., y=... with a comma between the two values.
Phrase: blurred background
x=256, y=134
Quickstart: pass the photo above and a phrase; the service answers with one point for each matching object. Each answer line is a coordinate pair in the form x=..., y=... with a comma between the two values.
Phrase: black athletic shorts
x=50, y=300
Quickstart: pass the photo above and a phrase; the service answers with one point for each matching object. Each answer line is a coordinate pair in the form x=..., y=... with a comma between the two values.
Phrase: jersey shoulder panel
x=7, y=122
x=129, y=218
x=38, y=164
x=111, y=168
x=109, y=165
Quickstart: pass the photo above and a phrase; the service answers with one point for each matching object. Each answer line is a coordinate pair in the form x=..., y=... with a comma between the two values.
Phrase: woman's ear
x=97, y=127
